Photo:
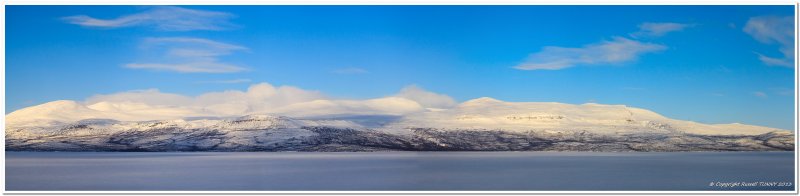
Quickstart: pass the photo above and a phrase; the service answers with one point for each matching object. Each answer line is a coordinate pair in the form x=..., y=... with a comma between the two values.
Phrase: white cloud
x=350, y=70
x=259, y=98
x=193, y=67
x=191, y=55
x=426, y=98
x=233, y=81
x=148, y=96
x=192, y=47
x=773, y=30
x=658, y=29
x=775, y=61
x=165, y=18
x=262, y=98
x=616, y=51
x=760, y=94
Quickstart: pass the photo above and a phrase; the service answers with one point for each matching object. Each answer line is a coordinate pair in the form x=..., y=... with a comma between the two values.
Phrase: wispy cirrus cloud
x=784, y=62
x=192, y=47
x=760, y=94
x=164, y=18
x=773, y=30
x=350, y=70
x=192, y=67
x=651, y=29
x=190, y=55
x=233, y=81
x=608, y=52
x=616, y=51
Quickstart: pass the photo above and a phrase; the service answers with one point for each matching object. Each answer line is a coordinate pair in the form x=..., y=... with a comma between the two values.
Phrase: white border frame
x=403, y=2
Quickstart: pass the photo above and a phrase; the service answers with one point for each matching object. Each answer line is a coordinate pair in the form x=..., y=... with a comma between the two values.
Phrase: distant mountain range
x=482, y=124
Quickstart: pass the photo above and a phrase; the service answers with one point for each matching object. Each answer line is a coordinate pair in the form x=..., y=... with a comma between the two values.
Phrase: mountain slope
x=487, y=113
x=479, y=124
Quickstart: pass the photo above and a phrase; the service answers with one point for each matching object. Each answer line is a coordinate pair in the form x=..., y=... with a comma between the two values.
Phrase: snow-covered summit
x=478, y=102
x=480, y=124
x=489, y=113
x=480, y=113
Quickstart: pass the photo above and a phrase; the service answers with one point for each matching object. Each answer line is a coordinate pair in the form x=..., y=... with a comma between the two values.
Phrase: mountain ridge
x=479, y=124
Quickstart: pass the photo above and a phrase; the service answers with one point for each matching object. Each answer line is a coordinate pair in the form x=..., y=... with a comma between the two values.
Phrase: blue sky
x=710, y=64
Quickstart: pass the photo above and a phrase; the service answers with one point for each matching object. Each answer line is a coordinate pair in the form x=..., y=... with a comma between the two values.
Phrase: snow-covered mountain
x=488, y=113
x=479, y=124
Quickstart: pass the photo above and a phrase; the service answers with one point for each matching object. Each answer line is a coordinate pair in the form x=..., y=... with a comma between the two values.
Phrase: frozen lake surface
x=247, y=171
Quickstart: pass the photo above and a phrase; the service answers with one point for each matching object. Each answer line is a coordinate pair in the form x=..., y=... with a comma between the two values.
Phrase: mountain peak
x=60, y=104
x=260, y=117
x=481, y=101
x=46, y=108
x=44, y=114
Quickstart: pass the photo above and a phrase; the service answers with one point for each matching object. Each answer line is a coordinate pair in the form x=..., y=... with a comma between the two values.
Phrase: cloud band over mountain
x=262, y=98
